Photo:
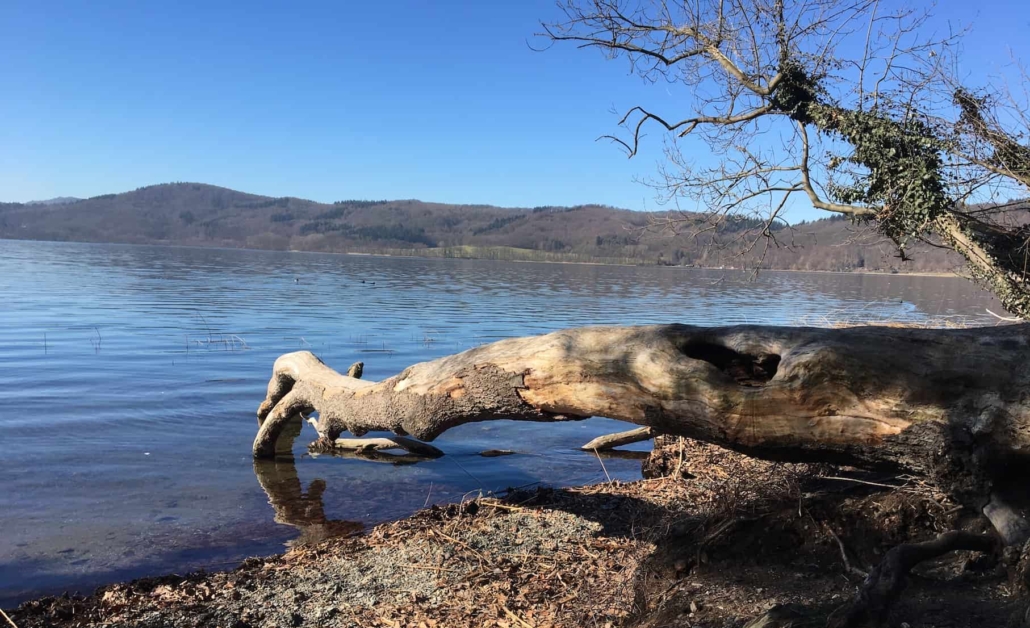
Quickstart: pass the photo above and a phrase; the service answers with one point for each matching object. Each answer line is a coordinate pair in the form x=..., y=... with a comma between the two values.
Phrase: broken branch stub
x=950, y=403
x=382, y=444
x=618, y=439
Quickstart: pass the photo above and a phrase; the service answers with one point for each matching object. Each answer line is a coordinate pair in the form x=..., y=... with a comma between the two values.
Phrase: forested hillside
x=205, y=215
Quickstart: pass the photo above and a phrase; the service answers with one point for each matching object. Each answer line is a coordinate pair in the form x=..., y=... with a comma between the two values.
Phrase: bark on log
x=951, y=403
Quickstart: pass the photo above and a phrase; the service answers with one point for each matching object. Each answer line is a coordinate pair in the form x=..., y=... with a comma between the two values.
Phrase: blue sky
x=440, y=100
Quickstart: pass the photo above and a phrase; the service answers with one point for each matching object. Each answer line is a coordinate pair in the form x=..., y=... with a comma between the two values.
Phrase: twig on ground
x=683, y=455
x=429, y=567
x=9, y=620
x=515, y=618
x=450, y=538
x=603, y=467
x=844, y=555
x=1007, y=319
x=496, y=504
x=714, y=534
x=857, y=481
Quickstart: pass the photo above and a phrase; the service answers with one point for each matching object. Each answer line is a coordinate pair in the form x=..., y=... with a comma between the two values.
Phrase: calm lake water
x=130, y=375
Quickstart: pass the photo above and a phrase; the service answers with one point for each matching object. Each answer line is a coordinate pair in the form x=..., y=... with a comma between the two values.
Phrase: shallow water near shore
x=129, y=377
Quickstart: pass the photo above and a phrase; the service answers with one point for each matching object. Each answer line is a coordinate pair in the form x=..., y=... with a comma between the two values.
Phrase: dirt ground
x=717, y=543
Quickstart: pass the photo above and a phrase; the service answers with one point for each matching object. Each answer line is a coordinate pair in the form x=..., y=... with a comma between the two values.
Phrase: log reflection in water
x=294, y=507
x=624, y=454
x=306, y=511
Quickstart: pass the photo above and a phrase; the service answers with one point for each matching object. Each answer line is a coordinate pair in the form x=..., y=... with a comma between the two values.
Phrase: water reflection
x=294, y=507
x=150, y=442
x=297, y=508
x=306, y=510
x=399, y=459
x=624, y=454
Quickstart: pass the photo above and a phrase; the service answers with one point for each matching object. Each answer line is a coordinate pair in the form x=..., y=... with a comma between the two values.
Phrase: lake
x=130, y=376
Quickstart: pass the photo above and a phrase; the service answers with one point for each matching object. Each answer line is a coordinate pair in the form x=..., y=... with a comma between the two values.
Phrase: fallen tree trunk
x=954, y=404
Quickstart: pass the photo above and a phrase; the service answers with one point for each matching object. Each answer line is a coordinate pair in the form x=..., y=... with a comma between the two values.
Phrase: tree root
x=885, y=583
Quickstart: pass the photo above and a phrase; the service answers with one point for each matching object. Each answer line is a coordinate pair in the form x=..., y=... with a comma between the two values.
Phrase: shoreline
x=714, y=547
x=597, y=262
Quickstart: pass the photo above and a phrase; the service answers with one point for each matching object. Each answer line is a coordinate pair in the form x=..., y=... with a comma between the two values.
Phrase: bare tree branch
x=780, y=103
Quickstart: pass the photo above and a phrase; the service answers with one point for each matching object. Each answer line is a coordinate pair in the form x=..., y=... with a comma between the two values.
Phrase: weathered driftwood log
x=953, y=403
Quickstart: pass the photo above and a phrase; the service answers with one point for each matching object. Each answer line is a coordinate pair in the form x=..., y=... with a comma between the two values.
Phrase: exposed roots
x=885, y=583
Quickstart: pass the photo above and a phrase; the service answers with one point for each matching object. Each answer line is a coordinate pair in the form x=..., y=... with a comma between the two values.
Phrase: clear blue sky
x=440, y=100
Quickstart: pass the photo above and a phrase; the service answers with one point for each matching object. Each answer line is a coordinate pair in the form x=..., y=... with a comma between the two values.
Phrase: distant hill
x=206, y=215
x=59, y=200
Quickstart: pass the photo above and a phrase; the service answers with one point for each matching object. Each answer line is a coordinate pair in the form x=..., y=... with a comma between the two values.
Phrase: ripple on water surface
x=130, y=376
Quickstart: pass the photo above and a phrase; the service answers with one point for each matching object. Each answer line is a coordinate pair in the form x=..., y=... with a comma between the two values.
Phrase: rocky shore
x=716, y=540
